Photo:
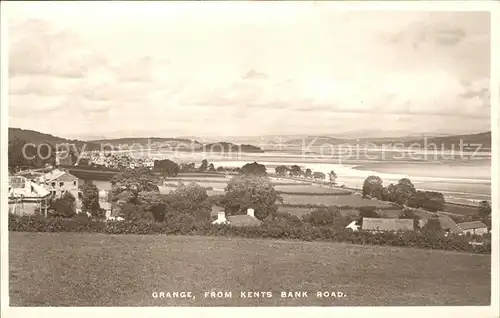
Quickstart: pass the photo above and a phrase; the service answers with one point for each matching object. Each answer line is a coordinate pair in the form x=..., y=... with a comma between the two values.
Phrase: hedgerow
x=272, y=227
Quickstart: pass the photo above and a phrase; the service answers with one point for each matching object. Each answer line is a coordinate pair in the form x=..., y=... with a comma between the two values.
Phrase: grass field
x=339, y=200
x=460, y=209
x=69, y=269
x=310, y=189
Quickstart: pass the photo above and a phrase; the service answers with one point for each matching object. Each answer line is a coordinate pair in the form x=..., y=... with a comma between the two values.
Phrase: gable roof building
x=387, y=225
x=474, y=227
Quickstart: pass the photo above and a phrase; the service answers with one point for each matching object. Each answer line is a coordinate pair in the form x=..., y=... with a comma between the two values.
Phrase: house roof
x=54, y=174
x=22, y=187
x=243, y=220
x=215, y=210
x=448, y=224
x=378, y=224
x=471, y=225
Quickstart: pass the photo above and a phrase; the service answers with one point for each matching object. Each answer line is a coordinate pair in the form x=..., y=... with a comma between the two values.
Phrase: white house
x=474, y=227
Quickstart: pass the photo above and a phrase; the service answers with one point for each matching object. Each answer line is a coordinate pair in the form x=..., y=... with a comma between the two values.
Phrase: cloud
x=39, y=48
x=308, y=71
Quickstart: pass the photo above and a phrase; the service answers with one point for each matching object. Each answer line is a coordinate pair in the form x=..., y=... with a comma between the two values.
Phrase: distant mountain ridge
x=484, y=139
x=38, y=138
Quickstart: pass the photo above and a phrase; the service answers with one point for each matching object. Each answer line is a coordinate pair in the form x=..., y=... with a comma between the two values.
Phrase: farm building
x=474, y=227
x=386, y=225
x=447, y=224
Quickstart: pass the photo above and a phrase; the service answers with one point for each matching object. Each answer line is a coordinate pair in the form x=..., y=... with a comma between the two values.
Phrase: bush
x=63, y=206
x=324, y=216
x=368, y=212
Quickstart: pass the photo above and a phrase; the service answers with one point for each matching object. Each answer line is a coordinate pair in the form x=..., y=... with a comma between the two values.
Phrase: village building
x=27, y=197
x=386, y=225
x=245, y=220
x=447, y=225
x=58, y=182
x=474, y=227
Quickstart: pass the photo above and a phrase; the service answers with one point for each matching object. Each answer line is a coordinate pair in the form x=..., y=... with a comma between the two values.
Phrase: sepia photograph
x=247, y=154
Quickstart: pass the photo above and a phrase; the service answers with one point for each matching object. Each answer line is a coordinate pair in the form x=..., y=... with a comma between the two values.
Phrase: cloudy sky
x=201, y=69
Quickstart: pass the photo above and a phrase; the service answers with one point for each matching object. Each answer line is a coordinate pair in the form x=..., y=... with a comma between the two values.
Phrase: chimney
x=221, y=218
x=251, y=212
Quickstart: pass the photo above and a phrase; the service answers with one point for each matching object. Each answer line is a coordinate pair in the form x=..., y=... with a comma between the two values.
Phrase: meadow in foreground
x=69, y=269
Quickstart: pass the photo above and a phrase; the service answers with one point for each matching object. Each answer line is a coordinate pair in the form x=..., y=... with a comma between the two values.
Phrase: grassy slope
x=71, y=269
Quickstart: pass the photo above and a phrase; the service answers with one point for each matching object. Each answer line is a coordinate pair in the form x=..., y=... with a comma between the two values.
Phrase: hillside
x=311, y=141
x=41, y=138
x=483, y=139
x=151, y=142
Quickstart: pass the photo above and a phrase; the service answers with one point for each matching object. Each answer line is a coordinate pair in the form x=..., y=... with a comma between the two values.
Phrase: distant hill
x=152, y=142
x=441, y=141
x=311, y=141
x=229, y=147
x=483, y=139
x=41, y=138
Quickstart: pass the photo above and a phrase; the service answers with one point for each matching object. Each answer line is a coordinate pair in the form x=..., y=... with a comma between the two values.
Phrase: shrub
x=324, y=216
x=368, y=212
x=64, y=206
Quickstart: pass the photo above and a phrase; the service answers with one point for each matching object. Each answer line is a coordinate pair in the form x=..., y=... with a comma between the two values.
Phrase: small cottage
x=248, y=219
x=386, y=225
x=474, y=227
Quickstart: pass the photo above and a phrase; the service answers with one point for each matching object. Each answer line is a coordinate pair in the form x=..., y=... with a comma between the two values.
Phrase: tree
x=191, y=199
x=152, y=202
x=332, y=176
x=326, y=216
x=319, y=175
x=403, y=191
x=127, y=185
x=65, y=206
x=295, y=170
x=257, y=192
x=166, y=167
x=254, y=169
x=281, y=170
x=90, y=198
x=484, y=210
x=368, y=212
x=428, y=200
x=211, y=167
x=373, y=187
x=308, y=173
x=204, y=165
x=134, y=212
x=221, y=169
x=432, y=226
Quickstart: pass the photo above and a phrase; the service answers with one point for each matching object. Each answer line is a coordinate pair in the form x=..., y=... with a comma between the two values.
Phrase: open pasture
x=83, y=269
x=339, y=200
x=310, y=189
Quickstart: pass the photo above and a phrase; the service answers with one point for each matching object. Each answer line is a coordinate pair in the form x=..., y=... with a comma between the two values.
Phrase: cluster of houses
x=103, y=159
x=119, y=161
x=31, y=191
